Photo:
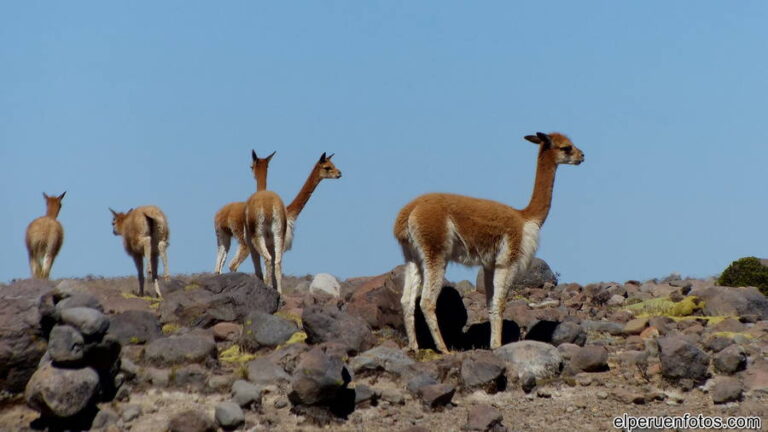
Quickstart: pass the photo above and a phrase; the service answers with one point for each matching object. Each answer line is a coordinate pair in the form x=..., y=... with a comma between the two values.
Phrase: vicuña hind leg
x=162, y=247
x=433, y=283
x=411, y=289
x=137, y=259
x=46, y=267
x=261, y=248
x=278, y=263
x=223, y=240
x=502, y=278
x=34, y=268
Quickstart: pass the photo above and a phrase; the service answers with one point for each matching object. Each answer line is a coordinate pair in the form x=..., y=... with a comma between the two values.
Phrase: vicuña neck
x=541, y=200
x=52, y=211
x=298, y=203
x=261, y=180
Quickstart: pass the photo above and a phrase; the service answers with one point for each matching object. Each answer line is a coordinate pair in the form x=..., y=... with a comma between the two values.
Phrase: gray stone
x=325, y=283
x=436, y=395
x=191, y=421
x=210, y=299
x=418, y=381
x=393, y=396
x=246, y=394
x=730, y=360
x=135, y=327
x=381, y=358
x=262, y=329
x=591, y=358
x=22, y=342
x=261, y=371
x=65, y=345
x=318, y=378
x=680, y=359
x=730, y=301
x=131, y=412
x=105, y=417
x=482, y=369
x=569, y=332
x=158, y=377
x=90, y=322
x=79, y=299
x=609, y=327
x=178, y=350
x=484, y=418
x=61, y=392
x=364, y=395
x=229, y=415
x=542, y=360
x=635, y=326
x=193, y=377
x=327, y=324
x=527, y=382
x=726, y=389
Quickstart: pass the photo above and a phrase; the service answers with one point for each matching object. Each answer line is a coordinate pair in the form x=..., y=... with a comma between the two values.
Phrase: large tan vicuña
x=436, y=228
x=44, y=238
x=145, y=235
x=269, y=224
x=230, y=220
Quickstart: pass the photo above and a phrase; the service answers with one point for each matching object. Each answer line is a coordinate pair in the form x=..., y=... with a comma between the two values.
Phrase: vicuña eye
x=567, y=149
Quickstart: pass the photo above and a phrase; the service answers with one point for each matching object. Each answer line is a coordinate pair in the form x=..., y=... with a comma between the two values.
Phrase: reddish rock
x=378, y=300
x=227, y=331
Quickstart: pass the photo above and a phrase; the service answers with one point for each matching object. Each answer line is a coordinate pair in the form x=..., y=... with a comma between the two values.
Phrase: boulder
x=729, y=301
x=590, y=358
x=261, y=371
x=540, y=359
x=730, y=360
x=536, y=275
x=436, y=395
x=135, y=327
x=61, y=392
x=325, y=283
x=318, y=379
x=210, y=299
x=381, y=358
x=725, y=389
x=178, y=350
x=190, y=377
x=79, y=299
x=22, y=342
x=229, y=415
x=569, y=332
x=377, y=300
x=484, y=418
x=263, y=329
x=246, y=394
x=192, y=421
x=65, y=345
x=226, y=331
x=90, y=322
x=681, y=359
x=328, y=324
x=482, y=369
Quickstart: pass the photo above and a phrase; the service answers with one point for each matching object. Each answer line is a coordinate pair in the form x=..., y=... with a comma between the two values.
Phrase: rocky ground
x=226, y=353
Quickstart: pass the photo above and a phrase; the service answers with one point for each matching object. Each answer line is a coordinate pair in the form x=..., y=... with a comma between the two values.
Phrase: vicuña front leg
x=163, y=249
x=240, y=256
x=501, y=280
x=138, y=261
x=261, y=247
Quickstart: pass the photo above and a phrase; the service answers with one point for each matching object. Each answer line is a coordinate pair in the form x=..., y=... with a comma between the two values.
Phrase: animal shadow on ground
x=80, y=422
x=452, y=318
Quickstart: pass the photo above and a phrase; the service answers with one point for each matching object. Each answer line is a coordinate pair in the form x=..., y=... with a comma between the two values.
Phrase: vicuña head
x=145, y=235
x=259, y=167
x=44, y=238
x=436, y=228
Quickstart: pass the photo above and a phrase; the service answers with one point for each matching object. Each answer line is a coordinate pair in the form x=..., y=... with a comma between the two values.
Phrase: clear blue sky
x=131, y=103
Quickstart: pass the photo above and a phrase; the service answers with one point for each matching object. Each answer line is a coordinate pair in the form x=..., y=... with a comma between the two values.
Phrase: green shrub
x=747, y=271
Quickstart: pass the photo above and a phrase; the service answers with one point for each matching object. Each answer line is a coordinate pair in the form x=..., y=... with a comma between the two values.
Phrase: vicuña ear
x=322, y=157
x=533, y=138
x=270, y=156
x=253, y=155
x=62, y=195
x=114, y=213
x=329, y=157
